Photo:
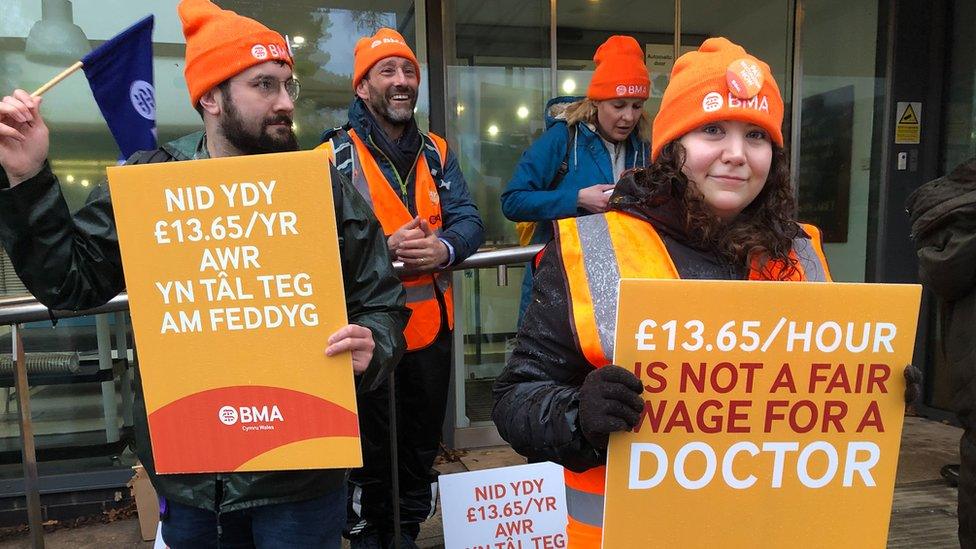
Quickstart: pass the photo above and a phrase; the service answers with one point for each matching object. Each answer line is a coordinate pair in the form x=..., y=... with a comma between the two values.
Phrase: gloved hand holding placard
x=772, y=418
x=232, y=269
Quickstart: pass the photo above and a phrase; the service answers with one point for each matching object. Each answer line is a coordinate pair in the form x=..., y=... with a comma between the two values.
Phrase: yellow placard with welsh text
x=234, y=282
x=773, y=413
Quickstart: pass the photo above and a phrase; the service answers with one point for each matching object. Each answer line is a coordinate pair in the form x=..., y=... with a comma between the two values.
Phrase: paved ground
x=923, y=513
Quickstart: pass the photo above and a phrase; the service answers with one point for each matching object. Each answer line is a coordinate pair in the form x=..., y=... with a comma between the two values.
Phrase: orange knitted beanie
x=221, y=44
x=720, y=81
x=620, y=70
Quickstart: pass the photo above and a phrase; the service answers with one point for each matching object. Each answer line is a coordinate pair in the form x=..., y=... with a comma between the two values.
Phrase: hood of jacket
x=943, y=218
x=657, y=203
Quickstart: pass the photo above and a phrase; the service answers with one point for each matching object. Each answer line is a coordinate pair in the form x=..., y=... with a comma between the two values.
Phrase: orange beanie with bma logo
x=371, y=49
x=221, y=44
x=720, y=81
x=620, y=70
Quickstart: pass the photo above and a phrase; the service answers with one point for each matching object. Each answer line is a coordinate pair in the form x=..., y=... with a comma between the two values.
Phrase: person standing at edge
x=570, y=170
x=415, y=186
x=239, y=74
x=943, y=216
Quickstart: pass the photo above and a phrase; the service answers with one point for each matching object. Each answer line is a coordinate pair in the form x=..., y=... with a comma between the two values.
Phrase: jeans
x=308, y=523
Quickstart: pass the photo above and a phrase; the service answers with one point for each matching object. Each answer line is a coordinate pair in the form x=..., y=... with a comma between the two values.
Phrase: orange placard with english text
x=772, y=418
x=234, y=282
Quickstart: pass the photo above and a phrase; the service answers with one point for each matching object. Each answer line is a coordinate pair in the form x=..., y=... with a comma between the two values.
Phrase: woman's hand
x=594, y=199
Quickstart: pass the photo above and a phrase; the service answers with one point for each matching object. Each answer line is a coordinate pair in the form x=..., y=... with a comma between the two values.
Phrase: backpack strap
x=564, y=165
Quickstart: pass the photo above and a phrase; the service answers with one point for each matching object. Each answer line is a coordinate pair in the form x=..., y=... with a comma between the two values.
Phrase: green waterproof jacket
x=73, y=262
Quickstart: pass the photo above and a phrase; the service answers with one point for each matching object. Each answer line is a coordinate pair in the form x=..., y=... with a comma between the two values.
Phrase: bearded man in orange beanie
x=416, y=188
x=239, y=75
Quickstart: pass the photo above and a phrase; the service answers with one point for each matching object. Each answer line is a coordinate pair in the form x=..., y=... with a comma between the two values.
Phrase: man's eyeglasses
x=269, y=87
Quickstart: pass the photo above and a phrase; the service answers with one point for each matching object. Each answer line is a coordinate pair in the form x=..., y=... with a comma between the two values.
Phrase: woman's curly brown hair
x=763, y=231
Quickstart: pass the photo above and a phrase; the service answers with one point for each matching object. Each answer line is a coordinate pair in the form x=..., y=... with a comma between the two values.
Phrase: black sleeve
x=375, y=297
x=537, y=394
x=67, y=262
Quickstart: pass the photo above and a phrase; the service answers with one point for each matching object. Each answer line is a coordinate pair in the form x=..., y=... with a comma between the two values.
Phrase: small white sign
x=521, y=507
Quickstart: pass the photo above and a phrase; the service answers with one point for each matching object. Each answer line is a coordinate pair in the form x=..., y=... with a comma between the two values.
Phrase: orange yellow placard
x=773, y=413
x=232, y=269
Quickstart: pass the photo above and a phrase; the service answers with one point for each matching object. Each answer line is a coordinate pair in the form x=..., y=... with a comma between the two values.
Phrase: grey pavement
x=923, y=512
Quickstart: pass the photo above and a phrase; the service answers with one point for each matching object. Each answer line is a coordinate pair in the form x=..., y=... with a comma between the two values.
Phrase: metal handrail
x=19, y=309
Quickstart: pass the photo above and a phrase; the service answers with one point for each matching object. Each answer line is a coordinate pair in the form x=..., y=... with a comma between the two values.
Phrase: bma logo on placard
x=143, y=98
x=230, y=415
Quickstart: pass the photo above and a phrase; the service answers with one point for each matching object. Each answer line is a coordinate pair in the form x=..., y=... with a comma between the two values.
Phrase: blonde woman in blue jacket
x=570, y=170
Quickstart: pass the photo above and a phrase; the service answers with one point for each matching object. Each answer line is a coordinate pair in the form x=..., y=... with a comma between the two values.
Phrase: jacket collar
x=188, y=147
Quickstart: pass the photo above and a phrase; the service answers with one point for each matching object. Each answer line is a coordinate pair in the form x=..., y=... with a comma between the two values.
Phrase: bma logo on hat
x=143, y=98
x=259, y=51
x=380, y=41
x=227, y=415
x=633, y=89
x=712, y=102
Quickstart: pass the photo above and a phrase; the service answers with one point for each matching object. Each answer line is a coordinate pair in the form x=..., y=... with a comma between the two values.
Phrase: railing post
x=109, y=406
x=28, y=452
x=122, y=350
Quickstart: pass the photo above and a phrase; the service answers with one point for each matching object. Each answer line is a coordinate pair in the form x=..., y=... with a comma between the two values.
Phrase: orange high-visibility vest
x=392, y=212
x=597, y=251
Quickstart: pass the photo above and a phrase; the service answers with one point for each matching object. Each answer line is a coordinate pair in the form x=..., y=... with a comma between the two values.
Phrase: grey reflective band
x=585, y=507
x=602, y=275
x=809, y=259
x=359, y=178
x=422, y=292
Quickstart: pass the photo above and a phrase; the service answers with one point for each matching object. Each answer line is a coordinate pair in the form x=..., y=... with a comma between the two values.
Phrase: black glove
x=609, y=402
x=913, y=384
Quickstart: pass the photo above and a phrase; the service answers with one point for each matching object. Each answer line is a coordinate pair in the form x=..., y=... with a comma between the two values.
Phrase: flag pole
x=52, y=82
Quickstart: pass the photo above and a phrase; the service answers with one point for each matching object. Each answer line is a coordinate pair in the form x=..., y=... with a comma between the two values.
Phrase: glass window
x=497, y=83
x=839, y=44
x=960, y=109
x=585, y=24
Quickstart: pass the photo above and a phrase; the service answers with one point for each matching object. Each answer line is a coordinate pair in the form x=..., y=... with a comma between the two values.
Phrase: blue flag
x=120, y=74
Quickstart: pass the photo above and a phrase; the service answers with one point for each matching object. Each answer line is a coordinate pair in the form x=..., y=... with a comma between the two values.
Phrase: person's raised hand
x=24, y=138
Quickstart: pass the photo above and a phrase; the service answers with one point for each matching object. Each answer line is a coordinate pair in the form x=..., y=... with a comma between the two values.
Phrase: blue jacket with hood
x=530, y=195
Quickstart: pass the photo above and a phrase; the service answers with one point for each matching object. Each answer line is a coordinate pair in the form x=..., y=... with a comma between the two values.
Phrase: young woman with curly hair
x=715, y=204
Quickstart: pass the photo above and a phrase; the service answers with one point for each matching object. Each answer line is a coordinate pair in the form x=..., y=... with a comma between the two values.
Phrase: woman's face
x=616, y=118
x=728, y=162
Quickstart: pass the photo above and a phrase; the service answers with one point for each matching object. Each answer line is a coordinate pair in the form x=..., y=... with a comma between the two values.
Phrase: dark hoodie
x=943, y=216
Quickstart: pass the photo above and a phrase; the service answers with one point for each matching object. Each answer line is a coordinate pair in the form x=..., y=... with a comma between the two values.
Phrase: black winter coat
x=73, y=263
x=943, y=216
x=537, y=394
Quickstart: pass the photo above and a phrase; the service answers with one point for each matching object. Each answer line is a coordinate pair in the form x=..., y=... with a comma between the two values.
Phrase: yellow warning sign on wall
x=908, y=128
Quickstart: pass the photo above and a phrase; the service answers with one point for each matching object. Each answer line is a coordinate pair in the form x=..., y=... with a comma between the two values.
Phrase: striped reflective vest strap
x=594, y=251
x=597, y=251
x=389, y=207
x=596, y=254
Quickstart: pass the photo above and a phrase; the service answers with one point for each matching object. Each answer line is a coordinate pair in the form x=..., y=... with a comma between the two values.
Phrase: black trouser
x=422, y=380
x=967, y=489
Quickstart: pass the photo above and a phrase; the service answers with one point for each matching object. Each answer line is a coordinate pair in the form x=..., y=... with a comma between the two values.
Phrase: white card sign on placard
x=521, y=507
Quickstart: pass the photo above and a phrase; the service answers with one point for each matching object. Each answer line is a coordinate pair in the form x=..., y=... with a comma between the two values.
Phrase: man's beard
x=380, y=104
x=241, y=138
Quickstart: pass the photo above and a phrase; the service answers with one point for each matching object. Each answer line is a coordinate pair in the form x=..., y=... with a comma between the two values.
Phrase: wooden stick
x=52, y=82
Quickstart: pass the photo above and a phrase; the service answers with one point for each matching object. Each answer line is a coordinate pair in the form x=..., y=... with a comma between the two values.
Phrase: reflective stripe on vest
x=599, y=250
x=368, y=179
